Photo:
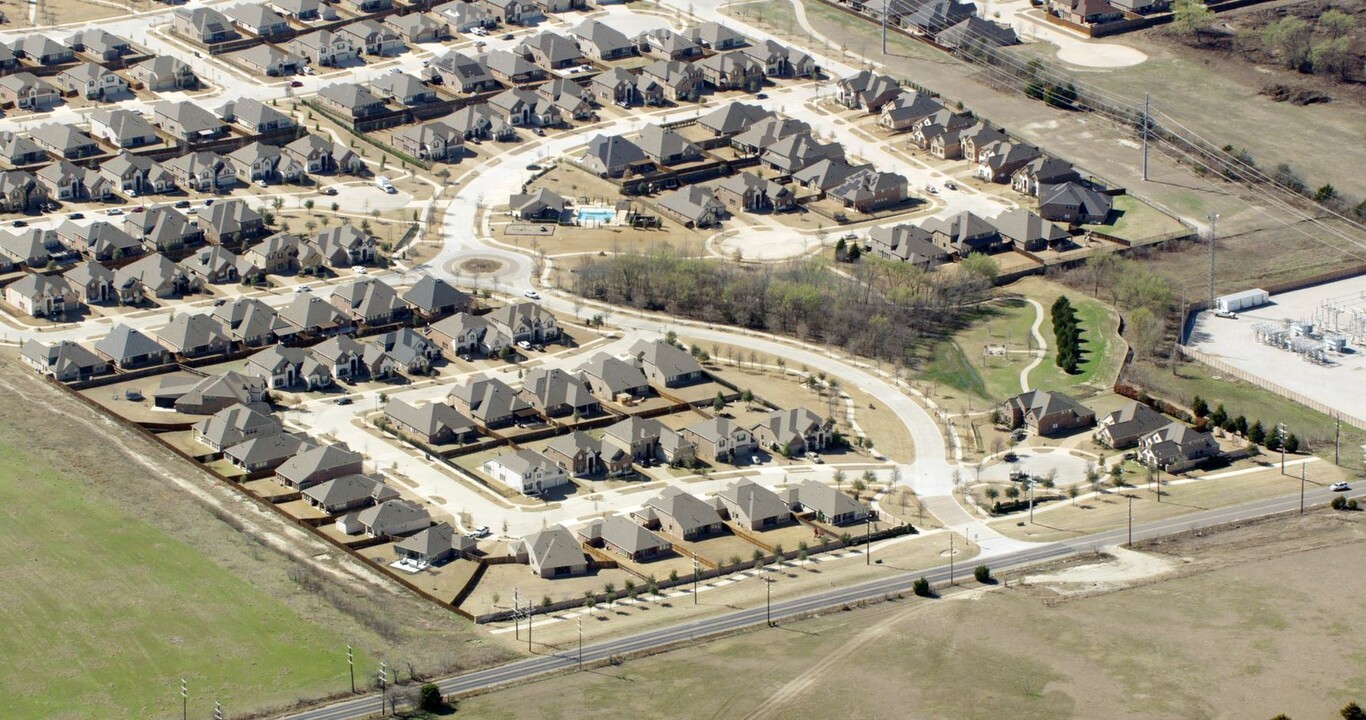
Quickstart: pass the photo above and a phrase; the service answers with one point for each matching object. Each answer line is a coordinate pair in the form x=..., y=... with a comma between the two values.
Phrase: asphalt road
x=899, y=582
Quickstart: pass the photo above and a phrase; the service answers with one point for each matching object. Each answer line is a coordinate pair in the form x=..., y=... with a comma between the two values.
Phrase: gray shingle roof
x=124, y=343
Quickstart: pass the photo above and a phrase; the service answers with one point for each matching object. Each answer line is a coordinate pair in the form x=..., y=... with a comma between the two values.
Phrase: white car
x=261, y=183
x=532, y=294
x=114, y=211
x=302, y=289
x=523, y=344
x=359, y=270
x=1341, y=487
x=1229, y=314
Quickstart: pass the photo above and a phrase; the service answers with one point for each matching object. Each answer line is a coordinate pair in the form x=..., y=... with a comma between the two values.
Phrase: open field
x=1283, y=617
x=120, y=578
x=1135, y=221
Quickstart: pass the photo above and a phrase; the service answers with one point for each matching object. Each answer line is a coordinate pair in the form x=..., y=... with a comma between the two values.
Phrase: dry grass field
x=1246, y=623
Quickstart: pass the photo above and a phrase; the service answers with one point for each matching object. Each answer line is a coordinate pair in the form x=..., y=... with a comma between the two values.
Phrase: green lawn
x=1256, y=404
x=104, y=614
x=1137, y=221
x=1101, y=351
x=948, y=367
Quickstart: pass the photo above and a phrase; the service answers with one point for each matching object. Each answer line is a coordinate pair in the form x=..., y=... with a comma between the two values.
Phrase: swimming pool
x=595, y=214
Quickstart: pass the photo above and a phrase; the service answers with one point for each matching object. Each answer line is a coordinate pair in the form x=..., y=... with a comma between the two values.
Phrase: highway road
x=899, y=582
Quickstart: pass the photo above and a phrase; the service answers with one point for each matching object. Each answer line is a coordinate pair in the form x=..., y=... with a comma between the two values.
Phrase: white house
x=526, y=471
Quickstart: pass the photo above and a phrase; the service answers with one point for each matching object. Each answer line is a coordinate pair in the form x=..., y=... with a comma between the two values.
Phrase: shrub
x=921, y=587
x=1339, y=503
x=982, y=574
x=429, y=698
x=1352, y=504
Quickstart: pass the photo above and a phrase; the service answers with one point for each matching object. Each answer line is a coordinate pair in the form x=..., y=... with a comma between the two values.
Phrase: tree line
x=1066, y=335
x=877, y=308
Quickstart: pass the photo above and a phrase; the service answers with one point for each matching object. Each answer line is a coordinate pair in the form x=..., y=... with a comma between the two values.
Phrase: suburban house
x=215, y=265
x=614, y=379
x=345, y=245
x=625, y=538
x=164, y=73
x=1028, y=231
x=314, y=316
x=25, y=91
x=305, y=9
x=871, y=190
x=18, y=150
x=325, y=48
x=666, y=147
x=1075, y=203
x=65, y=180
x=907, y=110
x=436, y=545
x=666, y=365
x=999, y=163
x=867, y=90
x=526, y=471
x=369, y=301
x=647, y=441
x=354, y=101
x=754, y=507
x=42, y=50
x=64, y=141
x=543, y=205
x=907, y=243
x=418, y=28
x=679, y=81
x=1041, y=172
x=719, y=439
x=932, y=16
x=403, y=89
x=1176, y=447
x=461, y=16
x=122, y=128
x=524, y=108
x=1046, y=413
x=93, y=82
x=828, y=504
x=203, y=25
x=194, y=336
x=732, y=71
x=732, y=118
x=42, y=295
x=1085, y=12
x=554, y=393
x=257, y=19
x=666, y=44
x=778, y=60
x=601, y=41
x=156, y=274
x=349, y=492
x=236, y=424
x=826, y=175
x=20, y=191
x=63, y=361
x=268, y=60
x=99, y=44
x=410, y=350
x=460, y=73
x=322, y=156
x=964, y=234
x=553, y=552
x=252, y=322
x=281, y=253
x=580, y=454
x=715, y=36
x=431, y=297
x=127, y=348
x=283, y=367
x=792, y=432
x=1124, y=427
x=433, y=423
x=467, y=334
x=525, y=321
x=231, y=223
x=93, y=282
x=267, y=453
x=207, y=395
x=551, y=51
x=389, y=519
x=255, y=115
x=373, y=37
x=433, y=140
x=615, y=85
x=681, y=515
x=798, y=150
x=490, y=402
x=138, y=174
x=511, y=68
x=266, y=163
x=975, y=32
x=31, y=248
x=939, y=131
x=511, y=12
x=614, y=156
x=694, y=206
x=318, y=465
x=188, y=122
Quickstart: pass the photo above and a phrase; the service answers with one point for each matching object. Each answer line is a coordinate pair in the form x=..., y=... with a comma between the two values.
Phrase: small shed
x=1242, y=300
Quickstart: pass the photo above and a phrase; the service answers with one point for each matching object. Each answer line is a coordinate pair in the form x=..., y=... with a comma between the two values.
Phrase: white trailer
x=1242, y=300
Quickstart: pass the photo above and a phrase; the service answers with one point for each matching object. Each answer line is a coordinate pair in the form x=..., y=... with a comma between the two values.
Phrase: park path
x=1043, y=346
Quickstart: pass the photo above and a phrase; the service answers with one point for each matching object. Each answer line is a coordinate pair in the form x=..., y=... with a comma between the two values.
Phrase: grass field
x=1285, y=622
x=1137, y=221
x=110, y=613
x=126, y=569
x=961, y=364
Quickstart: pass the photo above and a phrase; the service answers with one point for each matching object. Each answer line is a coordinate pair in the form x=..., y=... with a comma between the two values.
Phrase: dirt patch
x=479, y=266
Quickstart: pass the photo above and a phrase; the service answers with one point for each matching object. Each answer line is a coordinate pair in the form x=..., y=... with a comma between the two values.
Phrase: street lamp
x=768, y=600
x=868, y=539
x=351, y=666
x=1131, y=521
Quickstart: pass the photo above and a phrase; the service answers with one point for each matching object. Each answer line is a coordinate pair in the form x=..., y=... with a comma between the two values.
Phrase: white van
x=384, y=184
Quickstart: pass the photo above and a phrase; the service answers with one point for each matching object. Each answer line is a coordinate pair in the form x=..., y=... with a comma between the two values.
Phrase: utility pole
x=516, y=614
x=884, y=27
x=580, y=644
x=383, y=678
x=1280, y=434
x=1131, y=521
x=1161, y=470
x=768, y=601
x=1213, y=220
x=950, y=557
x=1145, y=137
x=1031, y=502
x=696, y=571
x=868, y=540
x=529, y=610
x=351, y=665
x=184, y=699
x=1302, y=481
x=1337, y=440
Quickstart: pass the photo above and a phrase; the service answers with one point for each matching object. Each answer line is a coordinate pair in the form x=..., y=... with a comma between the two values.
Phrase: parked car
x=1226, y=314
x=296, y=83
x=114, y=211
x=19, y=223
x=761, y=96
x=523, y=344
x=533, y=166
x=814, y=457
x=950, y=185
x=261, y=183
x=208, y=202
x=138, y=209
x=508, y=36
x=931, y=189
x=359, y=269
x=220, y=302
x=303, y=289
x=183, y=204
x=329, y=191
x=75, y=216
x=344, y=401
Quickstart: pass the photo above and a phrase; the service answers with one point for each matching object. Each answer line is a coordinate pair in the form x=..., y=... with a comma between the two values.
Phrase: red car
x=296, y=83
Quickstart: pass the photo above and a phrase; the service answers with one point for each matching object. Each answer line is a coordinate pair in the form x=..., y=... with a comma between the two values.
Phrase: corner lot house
x=681, y=515
x=666, y=365
x=828, y=504
x=526, y=471
x=128, y=348
x=164, y=73
x=1046, y=413
x=26, y=91
x=64, y=361
x=792, y=431
x=1176, y=447
x=554, y=552
x=42, y=295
